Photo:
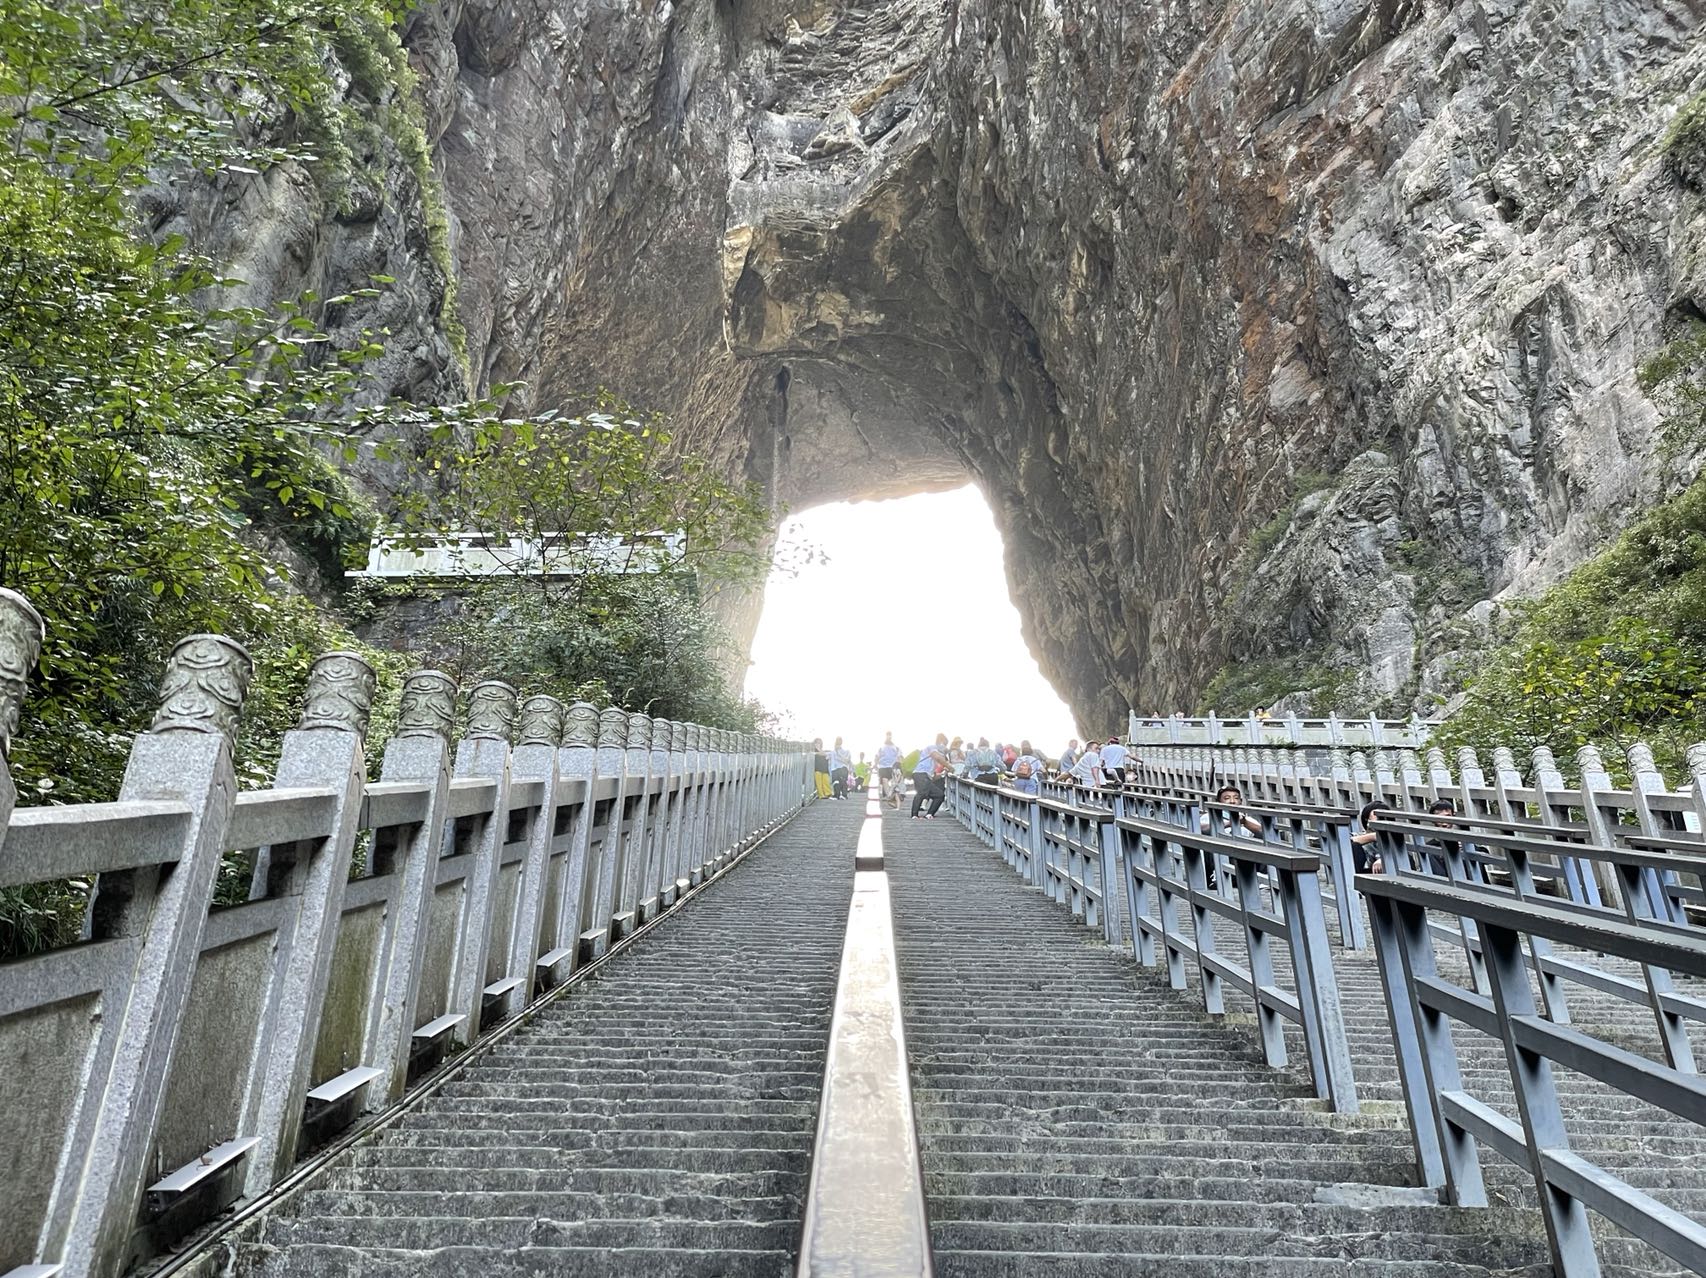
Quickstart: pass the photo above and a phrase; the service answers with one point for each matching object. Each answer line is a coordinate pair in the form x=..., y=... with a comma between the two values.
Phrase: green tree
x=1614, y=654
x=605, y=533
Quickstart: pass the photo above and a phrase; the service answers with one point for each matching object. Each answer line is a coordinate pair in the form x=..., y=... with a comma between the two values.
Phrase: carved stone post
x=1385, y=777
x=324, y=750
x=612, y=772
x=577, y=888
x=1339, y=769
x=1598, y=808
x=1697, y=784
x=1410, y=778
x=728, y=796
x=1506, y=781
x=419, y=755
x=483, y=755
x=634, y=908
x=740, y=822
x=660, y=866
x=1472, y=779
x=680, y=814
x=1439, y=779
x=1554, y=810
x=1363, y=787
x=21, y=633
x=1645, y=780
x=538, y=730
x=185, y=757
x=698, y=762
x=720, y=801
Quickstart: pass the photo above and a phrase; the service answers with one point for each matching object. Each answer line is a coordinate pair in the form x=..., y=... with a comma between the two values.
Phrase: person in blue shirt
x=927, y=773
x=840, y=765
x=888, y=768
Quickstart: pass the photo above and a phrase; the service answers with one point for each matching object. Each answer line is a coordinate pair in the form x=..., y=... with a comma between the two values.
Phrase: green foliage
x=1439, y=580
x=1675, y=379
x=587, y=494
x=1304, y=484
x=1242, y=686
x=1614, y=654
x=641, y=641
x=1685, y=141
x=559, y=481
x=155, y=438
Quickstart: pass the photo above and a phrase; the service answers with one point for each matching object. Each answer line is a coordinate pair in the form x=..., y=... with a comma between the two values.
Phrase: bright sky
x=838, y=650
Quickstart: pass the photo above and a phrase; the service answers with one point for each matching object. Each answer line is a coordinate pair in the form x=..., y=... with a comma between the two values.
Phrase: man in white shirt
x=1113, y=761
x=1087, y=769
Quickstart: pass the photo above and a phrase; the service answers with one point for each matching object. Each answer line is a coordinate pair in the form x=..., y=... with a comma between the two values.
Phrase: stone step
x=313, y=1260
x=505, y=1232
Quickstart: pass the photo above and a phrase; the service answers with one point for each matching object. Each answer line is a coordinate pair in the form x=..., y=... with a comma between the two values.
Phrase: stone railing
x=182, y=1056
x=1289, y=729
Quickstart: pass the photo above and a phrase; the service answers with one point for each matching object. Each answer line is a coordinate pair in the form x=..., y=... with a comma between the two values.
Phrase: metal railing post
x=1317, y=990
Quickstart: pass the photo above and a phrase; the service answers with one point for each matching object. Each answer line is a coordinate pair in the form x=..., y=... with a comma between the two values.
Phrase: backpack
x=1023, y=771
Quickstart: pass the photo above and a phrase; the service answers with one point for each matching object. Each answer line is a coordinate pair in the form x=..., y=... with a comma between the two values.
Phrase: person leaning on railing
x=1226, y=823
x=927, y=778
x=1364, y=853
x=1087, y=770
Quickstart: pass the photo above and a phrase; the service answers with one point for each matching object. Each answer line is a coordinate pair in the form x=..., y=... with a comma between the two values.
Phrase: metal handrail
x=1150, y=849
x=1449, y=1123
x=1078, y=872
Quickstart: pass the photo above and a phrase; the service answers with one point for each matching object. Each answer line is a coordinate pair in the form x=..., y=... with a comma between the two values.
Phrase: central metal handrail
x=865, y=1208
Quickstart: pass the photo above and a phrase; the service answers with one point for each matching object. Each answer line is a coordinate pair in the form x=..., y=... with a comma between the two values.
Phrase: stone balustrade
x=183, y=1056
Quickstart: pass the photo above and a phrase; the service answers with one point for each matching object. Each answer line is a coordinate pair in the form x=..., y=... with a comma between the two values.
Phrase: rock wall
x=1290, y=331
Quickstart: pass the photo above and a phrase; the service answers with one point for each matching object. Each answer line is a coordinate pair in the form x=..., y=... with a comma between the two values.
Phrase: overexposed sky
x=887, y=636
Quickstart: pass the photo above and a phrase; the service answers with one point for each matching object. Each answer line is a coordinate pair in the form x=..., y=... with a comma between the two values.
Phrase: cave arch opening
x=900, y=620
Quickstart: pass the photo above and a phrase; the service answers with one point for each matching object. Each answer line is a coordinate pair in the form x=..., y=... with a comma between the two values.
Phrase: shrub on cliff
x=1614, y=654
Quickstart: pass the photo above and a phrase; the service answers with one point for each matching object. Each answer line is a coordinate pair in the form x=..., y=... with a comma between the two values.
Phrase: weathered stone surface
x=1144, y=273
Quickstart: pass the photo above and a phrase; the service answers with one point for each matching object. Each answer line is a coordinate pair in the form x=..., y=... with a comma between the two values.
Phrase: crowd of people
x=1014, y=764
x=1094, y=765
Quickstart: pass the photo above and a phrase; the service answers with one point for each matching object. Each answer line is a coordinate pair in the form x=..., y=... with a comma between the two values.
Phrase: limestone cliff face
x=1300, y=327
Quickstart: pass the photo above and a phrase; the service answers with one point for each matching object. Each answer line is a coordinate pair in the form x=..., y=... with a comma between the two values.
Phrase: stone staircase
x=1078, y=1117
x=657, y=1120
